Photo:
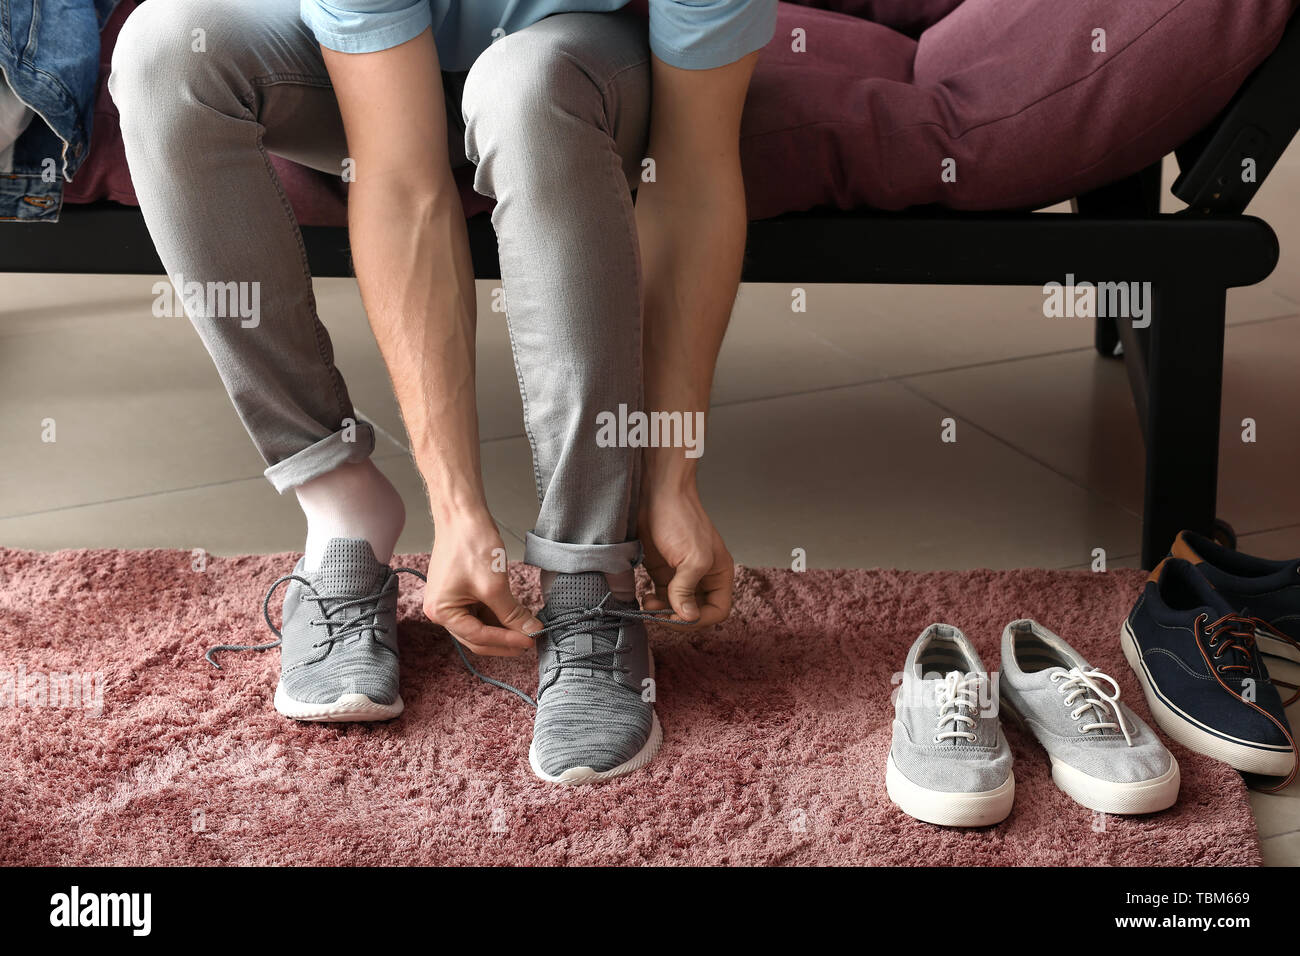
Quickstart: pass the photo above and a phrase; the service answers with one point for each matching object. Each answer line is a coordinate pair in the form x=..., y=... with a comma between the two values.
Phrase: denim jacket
x=49, y=55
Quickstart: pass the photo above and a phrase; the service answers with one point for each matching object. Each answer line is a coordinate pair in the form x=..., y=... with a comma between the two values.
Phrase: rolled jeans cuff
x=324, y=456
x=577, y=558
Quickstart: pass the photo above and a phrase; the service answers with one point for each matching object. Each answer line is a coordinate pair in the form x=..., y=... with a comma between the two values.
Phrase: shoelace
x=356, y=625
x=1080, y=683
x=1232, y=632
x=359, y=624
x=957, y=694
x=1241, y=633
x=589, y=621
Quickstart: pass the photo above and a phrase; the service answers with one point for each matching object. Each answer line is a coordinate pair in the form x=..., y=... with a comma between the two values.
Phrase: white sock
x=354, y=500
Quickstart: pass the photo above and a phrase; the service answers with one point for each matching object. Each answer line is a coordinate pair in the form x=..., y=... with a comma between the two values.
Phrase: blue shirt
x=691, y=34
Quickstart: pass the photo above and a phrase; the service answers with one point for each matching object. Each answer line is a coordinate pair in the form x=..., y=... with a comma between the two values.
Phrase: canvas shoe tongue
x=1099, y=713
x=348, y=569
x=1214, y=604
x=1229, y=649
x=1215, y=608
x=957, y=725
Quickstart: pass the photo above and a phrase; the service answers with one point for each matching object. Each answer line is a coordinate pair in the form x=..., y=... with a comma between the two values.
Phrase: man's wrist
x=455, y=500
x=668, y=471
x=460, y=514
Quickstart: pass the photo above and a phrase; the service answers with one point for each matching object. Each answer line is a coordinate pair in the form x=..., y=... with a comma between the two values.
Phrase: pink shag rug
x=776, y=729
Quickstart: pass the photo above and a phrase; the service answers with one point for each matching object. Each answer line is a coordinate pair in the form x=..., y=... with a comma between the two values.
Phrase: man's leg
x=556, y=119
x=206, y=89
x=198, y=125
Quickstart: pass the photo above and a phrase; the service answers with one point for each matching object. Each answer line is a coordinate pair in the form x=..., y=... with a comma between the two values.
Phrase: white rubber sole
x=1275, y=648
x=575, y=776
x=349, y=707
x=949, y=809
x=1195, y=735
x=1106, y=796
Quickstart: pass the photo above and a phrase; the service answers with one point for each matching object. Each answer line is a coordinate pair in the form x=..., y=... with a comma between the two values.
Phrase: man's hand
x=411, y=252
x=688, y=562
x=691, y=222
x=468, y=596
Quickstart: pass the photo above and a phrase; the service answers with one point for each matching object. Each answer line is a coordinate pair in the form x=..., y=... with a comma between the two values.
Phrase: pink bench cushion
x=1009, y=89
x=885, y=91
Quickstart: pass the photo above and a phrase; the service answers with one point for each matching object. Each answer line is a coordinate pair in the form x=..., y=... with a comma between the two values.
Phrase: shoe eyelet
x=1082, y=730
x=937, y=740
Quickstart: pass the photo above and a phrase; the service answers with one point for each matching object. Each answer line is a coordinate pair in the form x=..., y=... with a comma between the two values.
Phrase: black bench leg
x=1105, y=336
x=1138, y=195
x=1184, y=395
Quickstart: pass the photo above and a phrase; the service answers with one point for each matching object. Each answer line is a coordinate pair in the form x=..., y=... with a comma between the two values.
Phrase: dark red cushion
x=1010, y=90
x=905, y=16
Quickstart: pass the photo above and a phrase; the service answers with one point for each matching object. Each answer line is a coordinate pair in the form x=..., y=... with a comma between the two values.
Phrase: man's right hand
x=468, y=596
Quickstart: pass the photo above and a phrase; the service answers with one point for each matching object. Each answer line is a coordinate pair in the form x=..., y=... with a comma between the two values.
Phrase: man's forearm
x=414, y=269
x=411, y=254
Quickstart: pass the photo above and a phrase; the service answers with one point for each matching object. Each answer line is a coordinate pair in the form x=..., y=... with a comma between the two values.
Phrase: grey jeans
x=555, y=119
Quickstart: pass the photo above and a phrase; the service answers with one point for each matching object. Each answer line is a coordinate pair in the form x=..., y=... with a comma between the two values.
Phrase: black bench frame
x=1191, y=259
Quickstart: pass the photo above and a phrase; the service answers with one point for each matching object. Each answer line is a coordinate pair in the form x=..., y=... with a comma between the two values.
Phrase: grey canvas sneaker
x=337, y=638
x=1102, y=754
x=949, y=763
x=595, y=689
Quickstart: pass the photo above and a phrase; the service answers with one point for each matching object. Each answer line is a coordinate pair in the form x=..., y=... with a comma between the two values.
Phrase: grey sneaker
x=595, y=699
x=337, y=638
x=949, y=763
x=1102, y=754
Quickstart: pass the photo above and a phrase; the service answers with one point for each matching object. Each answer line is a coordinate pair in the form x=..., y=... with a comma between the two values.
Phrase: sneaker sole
x=1239, y=754
x=944, y=809
x=575, y=776
x=1275, y=648
x=349, y=707
x=1107, y=796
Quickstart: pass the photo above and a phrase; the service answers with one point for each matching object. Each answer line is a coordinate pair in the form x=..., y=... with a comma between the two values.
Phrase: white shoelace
x=958, y=700
x=1079, y=683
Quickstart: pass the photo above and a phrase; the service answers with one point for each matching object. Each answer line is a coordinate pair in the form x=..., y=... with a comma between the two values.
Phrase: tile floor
x=824, y=434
